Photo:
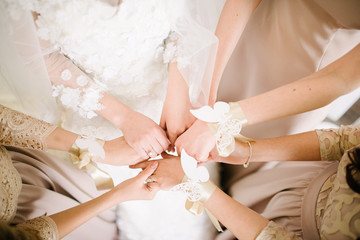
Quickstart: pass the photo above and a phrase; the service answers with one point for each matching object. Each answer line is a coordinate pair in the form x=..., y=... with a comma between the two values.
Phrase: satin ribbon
x=84, y=160
x=197, y=207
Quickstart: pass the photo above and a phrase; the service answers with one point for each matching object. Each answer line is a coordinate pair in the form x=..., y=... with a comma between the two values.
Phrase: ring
x=150, y=180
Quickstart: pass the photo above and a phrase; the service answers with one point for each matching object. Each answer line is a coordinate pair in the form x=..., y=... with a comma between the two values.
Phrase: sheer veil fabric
x=24, y=80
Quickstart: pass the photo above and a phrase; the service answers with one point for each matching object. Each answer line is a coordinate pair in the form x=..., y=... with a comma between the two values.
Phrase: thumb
x=148, y=171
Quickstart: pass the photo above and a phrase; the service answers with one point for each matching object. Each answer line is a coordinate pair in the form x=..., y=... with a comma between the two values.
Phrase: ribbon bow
x=226, y=121
x=84, y=153
x=197, y=186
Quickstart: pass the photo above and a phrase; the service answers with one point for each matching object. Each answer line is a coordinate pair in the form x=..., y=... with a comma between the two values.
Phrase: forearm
x=231, y=25
x=61, y=139
x=298, y=147
x=243, y=222
x=309, y=93
x=114, y=110
x=72, y=218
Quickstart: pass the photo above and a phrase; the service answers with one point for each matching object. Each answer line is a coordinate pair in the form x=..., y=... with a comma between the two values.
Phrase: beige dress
x=311, y=202
x=34, y=183
x=283, y=42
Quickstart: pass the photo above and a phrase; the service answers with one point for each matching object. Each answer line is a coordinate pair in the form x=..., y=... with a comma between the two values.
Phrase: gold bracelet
x=246, y=164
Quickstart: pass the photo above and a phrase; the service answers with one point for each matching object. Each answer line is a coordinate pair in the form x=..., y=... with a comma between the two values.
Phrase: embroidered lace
x=20, y=130
x=10, y=187
x=43, y=226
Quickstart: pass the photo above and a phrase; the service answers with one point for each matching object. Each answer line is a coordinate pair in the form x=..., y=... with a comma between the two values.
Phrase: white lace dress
x=125, y=50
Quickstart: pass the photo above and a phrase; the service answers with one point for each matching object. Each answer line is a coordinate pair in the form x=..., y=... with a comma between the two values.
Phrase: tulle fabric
x=24, y=76
x=24, y=82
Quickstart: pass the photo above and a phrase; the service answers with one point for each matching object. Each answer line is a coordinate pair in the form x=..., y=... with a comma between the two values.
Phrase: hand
x=118, y=152
x=144, y=135
x=176, y=116
x=197, y=141
x=135, y=189
x=168, y=173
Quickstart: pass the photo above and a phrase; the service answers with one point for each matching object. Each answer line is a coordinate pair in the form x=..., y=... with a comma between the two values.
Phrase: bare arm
x=131, y=189
x=243, y=222
x=306, y=94
x=298, y=147
x=232, y=22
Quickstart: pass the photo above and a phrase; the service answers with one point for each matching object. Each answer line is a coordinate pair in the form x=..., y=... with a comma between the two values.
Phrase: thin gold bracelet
x=246, y=164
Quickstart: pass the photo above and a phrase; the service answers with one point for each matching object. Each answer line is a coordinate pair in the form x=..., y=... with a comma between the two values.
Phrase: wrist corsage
x=84, y=154
x=197, y=187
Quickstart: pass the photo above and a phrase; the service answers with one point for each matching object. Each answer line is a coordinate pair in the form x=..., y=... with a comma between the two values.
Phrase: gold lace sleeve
x=20, y=130
x=334, y=142
x=275, y=232
x=43, y=226
x=339, y=218
x=10, y=187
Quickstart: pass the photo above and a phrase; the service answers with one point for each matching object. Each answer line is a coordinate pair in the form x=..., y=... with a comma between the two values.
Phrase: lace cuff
x=272, y=231
x=42, y=226
x=20, y=130
x=334, y=142
x=73, y=88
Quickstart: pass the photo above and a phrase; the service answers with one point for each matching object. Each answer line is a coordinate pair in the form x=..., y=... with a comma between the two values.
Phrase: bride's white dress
x=125, y=49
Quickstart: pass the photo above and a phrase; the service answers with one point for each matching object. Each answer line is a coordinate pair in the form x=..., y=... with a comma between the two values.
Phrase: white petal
x=221, y=108
x=206, y=113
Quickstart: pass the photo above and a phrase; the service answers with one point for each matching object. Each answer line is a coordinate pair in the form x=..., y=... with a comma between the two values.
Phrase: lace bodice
x=20, y=130
x=338, y=206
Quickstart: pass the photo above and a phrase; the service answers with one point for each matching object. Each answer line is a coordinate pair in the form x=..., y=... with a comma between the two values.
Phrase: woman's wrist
x=117, y=113
x=61, y=139
x=242, y=152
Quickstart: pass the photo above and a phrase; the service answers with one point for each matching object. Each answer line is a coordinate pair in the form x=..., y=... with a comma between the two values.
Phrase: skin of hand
x=168, y=173
x=131, y=189
x=197, y=141
x=118, y=152
x=144, y=135
x=140, y=132
x=176, y=116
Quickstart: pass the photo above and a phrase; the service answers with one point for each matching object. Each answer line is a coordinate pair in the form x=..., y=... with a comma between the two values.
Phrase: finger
x=162, y=123
x=152, y=152
x=153, y=186
x=163, y=140
x=148, y=171
x=142, y=164
x=178, y=145
x=143, y=154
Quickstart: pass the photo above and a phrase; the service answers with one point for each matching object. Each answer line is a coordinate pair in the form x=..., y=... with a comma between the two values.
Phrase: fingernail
x=154, y=165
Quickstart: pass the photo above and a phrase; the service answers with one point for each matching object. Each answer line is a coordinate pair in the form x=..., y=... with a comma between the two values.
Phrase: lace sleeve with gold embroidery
x=44, y=227
x=334, y=142
x=20, y=130
x=272, y=231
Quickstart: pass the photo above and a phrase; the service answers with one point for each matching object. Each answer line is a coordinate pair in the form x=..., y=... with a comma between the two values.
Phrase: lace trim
x=10, y=187
x=272, y=231
x=170, y=52
x=42, y=226
x=190, y=188
x=20, y=130
x=334, y=142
